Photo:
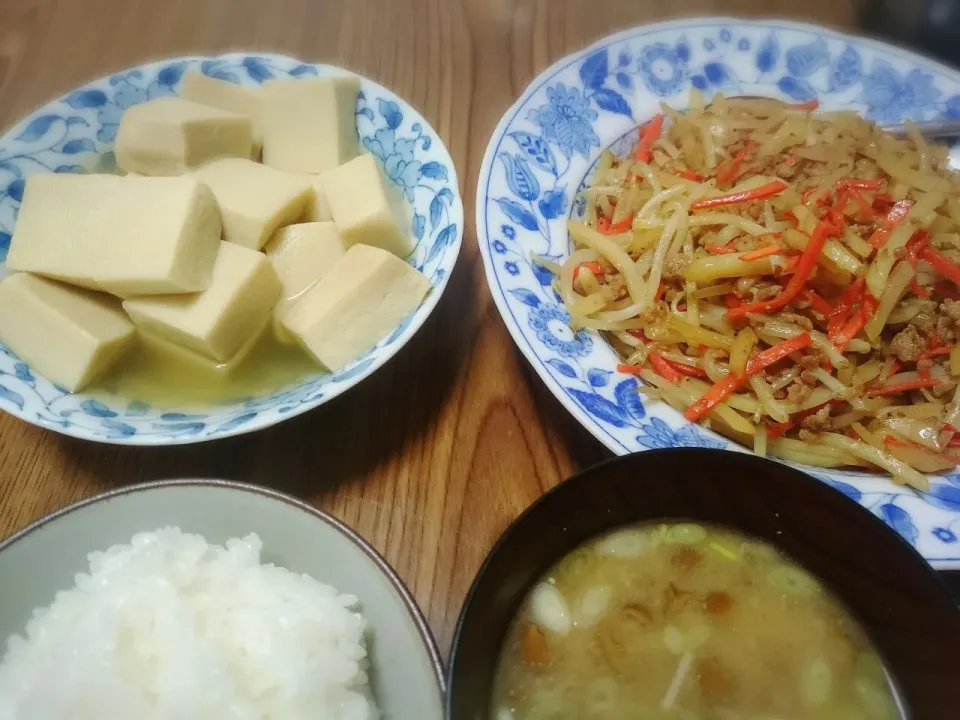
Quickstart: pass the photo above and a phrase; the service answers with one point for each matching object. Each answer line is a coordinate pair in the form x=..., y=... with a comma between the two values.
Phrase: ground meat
x=862, y=230
x=801, y=320
x=944, y=329
x=946, y=241
x=951, y=308
x=807, y=435
x=786, y=170
x=674, y=267
x=906, y=345
x=743, y=285
x=656, y=315
x=617, y=286
x=797, y=392
x=809, y=378
x=767, y=292
x=810, y=362
x=820, y=420
x=926, y=318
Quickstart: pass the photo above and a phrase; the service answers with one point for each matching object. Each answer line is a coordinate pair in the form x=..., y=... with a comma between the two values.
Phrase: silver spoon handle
x=932, y=129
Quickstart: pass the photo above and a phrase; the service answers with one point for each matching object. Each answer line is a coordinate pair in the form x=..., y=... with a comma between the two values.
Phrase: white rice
x=173, y=627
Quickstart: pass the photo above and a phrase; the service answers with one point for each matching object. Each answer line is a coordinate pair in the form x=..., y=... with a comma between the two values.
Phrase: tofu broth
x=166, y=380
x=685, y=622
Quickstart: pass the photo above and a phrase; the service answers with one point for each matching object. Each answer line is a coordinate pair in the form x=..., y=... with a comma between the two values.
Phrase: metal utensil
x=930, y=129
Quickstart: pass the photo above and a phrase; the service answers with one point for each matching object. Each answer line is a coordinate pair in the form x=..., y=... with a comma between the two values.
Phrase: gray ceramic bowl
x=407, y=674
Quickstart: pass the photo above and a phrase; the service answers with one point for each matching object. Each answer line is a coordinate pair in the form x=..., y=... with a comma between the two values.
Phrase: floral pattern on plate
x=546, y=145
x=74, y=134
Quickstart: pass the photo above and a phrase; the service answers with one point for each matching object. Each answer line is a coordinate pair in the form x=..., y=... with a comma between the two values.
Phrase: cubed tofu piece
x=124, y=235
x=254, y=199
x=170, y=135
x=68, y=335
x=232, y=97
x=219, y=320
x=54, y=234
x=309, y=124
x=364, y=208
x=356, y=304
x=301, y=255
x=317, y=209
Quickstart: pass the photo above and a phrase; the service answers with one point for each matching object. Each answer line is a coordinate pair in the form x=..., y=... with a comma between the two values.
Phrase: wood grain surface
x=434, y=455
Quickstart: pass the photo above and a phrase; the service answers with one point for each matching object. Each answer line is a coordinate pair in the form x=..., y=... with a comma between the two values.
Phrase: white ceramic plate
x=547, y=143
x=406, y=672
x=75, y=134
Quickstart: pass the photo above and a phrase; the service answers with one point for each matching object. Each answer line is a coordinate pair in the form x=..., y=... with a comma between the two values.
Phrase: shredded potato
x=806, y=261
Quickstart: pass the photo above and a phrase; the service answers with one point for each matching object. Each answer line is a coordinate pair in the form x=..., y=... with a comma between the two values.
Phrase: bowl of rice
x=207, y=598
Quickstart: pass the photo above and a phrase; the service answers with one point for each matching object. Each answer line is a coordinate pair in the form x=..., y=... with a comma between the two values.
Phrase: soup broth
x=685, y=622
x=165, y=380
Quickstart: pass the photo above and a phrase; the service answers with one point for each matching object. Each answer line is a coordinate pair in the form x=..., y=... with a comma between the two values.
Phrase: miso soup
x=685, y=622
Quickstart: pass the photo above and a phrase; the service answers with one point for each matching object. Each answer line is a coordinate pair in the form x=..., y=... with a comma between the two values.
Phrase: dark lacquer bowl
x=898, y=599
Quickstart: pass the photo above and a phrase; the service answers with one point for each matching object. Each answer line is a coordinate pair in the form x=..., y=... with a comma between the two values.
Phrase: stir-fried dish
x=685, y=622
x=788, y=278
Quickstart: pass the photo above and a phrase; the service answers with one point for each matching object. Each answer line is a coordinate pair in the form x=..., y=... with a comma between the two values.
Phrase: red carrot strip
x=946, y=290
x=689, y=175
x=691, y=370
x=861, y=184
x=849, y=298
x=762, y=252
x=772, y=355
x=664, y=368
x=941, y=263
x=919, y=240
x=866, y=209
x=902, y=387
x=724, y=387
x=717, y=393
x=818, y=303
x=896, y=216
x=808, y=106
x=764, y=191
x=648, y=137
x=718, y=249
x=729, y=171
x=591, y=265
x=934, y=352
x=805, y=267
x=615, y=228
x=849, y=331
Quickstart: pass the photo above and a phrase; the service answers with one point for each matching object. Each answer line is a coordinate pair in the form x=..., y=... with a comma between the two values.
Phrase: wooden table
x=433, y=456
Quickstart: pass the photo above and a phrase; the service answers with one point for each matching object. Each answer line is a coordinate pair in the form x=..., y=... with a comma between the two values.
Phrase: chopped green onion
x=686, y=534
x=725, y=551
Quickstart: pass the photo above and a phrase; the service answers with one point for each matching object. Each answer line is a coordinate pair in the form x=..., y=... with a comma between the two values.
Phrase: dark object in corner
x=931, y=27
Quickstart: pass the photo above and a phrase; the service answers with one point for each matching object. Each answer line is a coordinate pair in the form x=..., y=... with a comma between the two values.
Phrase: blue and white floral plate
x=546, y=145
x=76, y=134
